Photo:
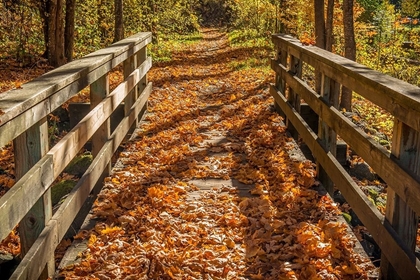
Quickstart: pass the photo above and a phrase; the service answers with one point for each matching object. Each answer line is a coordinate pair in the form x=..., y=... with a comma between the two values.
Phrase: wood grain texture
x=35, y=182
x=62, y=219
x=399, y=98
x=65, y=150
x=36, y=99
x=392, y=246
x=404, y=182
x=405, y=147
x=19, y=200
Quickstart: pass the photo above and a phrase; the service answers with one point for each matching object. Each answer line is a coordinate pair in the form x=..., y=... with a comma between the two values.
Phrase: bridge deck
x=210, y=186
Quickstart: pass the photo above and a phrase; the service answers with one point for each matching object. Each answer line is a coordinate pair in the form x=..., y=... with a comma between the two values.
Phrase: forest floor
x=211, y=186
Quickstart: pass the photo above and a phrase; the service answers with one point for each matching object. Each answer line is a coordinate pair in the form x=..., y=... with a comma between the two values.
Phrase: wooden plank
x=391, y=245
x=404, y=182
x=30, y=268
x=18, y=200
x=399, y=98
x=62, y=219
x=281, y=57
x=330, y=92
x=14, y=102
x=29, y=189
x=405, y=144
x=99, y=90
x=65, y=150
x=295, y=68
x=141, y=57
x=128, y=67
x=24, y=107
x=29, y=148
x=74, y=201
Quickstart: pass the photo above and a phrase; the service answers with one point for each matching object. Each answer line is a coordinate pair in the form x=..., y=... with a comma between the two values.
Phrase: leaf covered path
x=210, y=187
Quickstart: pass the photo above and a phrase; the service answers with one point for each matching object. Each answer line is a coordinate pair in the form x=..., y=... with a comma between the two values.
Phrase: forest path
x=211, y=187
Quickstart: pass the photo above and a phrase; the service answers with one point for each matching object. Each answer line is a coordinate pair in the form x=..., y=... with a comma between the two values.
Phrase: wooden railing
x=23, y=120
x=395, y=232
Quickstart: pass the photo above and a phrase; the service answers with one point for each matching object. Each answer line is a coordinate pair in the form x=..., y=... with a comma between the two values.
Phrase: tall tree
x=56, y=33
x=411, y=8
x=329, y=25
x=69, y=30
x=119, y=23
x=319, y=23
x=51, y=12
x=349, y=48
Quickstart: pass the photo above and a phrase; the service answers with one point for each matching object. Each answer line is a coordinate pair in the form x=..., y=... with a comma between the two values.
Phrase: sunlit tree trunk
x=69, y=30
x=329, y=26
x=282, y=6
x=55, y=46
x=319, y=23
x=119, y=25
x=51, y=12
x=320, y=36
x=349, y=48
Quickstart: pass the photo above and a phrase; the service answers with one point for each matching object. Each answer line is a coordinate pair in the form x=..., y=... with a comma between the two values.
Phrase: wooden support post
x=29, y=148
x=129, y=66
x=406, y=150
x=99, y=90
x=280, y=84
x=330, y=91
x=295, y=68
x=141, y=57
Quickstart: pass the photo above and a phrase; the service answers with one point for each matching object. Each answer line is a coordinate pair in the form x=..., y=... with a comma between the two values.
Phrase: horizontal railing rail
x=396, y=232
x=23, y=120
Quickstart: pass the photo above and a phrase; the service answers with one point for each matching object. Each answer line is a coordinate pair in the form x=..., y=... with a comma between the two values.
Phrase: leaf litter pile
x=207, y=190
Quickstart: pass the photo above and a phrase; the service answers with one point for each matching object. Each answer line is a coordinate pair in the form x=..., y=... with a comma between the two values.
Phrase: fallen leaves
x=156, y=224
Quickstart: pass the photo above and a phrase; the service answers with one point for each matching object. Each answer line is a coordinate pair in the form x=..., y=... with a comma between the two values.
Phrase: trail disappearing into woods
x=211, y=187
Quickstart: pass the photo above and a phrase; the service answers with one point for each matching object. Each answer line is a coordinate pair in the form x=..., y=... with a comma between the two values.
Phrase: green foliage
x=257, y=48
x=370, y=7
x=162, y=51
x=410, y=8
x=61, y=189
x=382, y=45
x=19, y=34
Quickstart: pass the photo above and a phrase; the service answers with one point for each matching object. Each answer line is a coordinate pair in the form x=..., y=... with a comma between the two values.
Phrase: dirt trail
x=210, y=187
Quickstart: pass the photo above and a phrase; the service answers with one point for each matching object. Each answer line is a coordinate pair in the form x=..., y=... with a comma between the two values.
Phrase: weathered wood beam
x=19, y=199
x=399, y=98
x=36, y=99
x=404, y=183
x=392, y=246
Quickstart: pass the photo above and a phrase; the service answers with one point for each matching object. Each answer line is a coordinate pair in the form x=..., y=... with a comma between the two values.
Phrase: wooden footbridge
x=23, y=120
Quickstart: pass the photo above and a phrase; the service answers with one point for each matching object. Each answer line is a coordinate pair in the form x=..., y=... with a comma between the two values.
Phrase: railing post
x=330, y=91
x=281, y=57
x=129, y=66
x=99, y=90
x=141, y=57
x=406, y=150
x=29, y=148
x=295, y=68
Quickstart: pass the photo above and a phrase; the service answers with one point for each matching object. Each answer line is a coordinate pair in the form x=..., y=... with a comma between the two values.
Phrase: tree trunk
x=44, y=7
x=282, y=7
x=319, y=23
x=329, y=26
x=320, y=36
x=69, y=30
x=52, y=12
x=119, y=25
x=349, y=49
